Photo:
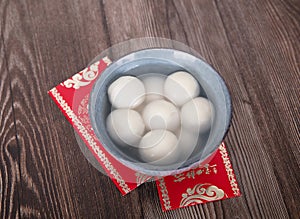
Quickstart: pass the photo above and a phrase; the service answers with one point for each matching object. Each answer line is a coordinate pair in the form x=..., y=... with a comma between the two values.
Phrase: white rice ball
x=180, y=87
x=154, y=85
x=159, y=147
x=125, y=127
x=126, y=92
x=161, y=114
x=197, y=115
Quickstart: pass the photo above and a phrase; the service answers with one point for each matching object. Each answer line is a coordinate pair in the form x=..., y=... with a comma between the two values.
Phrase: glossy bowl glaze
x=162, y=61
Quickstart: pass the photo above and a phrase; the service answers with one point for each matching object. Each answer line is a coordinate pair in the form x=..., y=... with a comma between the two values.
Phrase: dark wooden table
x=253, y=44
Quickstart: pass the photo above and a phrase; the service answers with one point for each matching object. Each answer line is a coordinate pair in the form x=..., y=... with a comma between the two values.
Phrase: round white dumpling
x=125, y=127
x=187, y=142
x=159, y=147
x=126, y=92
x=154, y=86
x=161, y=114
x=180, y=87
x=197, y=115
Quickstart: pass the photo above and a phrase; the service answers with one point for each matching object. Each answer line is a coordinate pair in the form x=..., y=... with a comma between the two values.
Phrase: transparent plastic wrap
x=159, y=56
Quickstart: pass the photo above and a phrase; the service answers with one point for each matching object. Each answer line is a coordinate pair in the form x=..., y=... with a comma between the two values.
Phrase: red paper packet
x=214, y=181
x=211, y=182
x=72, y=97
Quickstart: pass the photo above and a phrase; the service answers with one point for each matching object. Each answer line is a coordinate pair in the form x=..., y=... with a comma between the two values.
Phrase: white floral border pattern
x=83, y=78
x=107, y=60
x=164, y=193
x=86, y=76
x=67, y=109
x=229, y=170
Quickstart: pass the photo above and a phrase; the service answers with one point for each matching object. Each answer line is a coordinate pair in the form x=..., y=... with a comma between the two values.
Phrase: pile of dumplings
x=162, y=116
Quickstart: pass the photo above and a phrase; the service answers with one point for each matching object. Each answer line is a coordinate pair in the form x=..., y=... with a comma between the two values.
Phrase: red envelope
x=72, y=97
x=211, y=182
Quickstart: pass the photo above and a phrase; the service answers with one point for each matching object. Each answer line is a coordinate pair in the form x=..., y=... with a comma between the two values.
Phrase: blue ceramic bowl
x=162, y=61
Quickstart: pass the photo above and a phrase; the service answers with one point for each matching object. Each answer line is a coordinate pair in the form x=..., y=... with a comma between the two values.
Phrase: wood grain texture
x=253, y=44
x=9, y=151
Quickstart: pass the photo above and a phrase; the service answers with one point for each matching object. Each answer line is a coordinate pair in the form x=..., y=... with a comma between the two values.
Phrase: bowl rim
x=151, y=172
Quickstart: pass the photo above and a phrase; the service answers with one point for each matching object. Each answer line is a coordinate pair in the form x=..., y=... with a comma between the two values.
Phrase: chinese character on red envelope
x=211, y=182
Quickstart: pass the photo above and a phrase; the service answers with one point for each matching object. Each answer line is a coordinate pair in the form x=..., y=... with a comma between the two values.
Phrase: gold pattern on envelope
x=81, y=128
x=229, y=170
x=164, y=194
x=141, y=178
x=83, y=112
x=201, y=193
x=83, y=78
x=83, y=107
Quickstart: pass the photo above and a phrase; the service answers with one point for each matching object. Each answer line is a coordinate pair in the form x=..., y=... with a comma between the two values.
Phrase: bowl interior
x=161, y=61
